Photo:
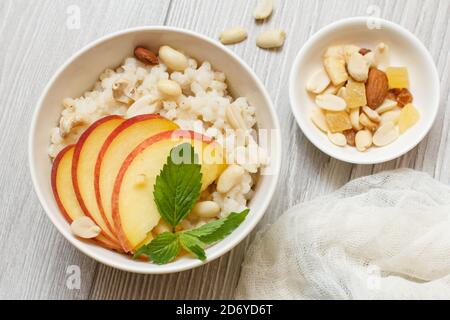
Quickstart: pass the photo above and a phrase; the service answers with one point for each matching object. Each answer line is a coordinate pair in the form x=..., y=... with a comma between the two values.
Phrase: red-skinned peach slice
x=83, y=167
x=119, y=144
x=62, y=186
x=134, y=210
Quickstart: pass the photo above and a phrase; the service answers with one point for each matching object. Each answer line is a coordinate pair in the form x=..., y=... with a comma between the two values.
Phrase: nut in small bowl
x=387, y=79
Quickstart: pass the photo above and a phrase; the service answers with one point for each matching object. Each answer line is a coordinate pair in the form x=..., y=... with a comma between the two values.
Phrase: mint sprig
x=178, y=185
x=177, y=189
x=162, y=249
x=166, y=246
x=219, y=229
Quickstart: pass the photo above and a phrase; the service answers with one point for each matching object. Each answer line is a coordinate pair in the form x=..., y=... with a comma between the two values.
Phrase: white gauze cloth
x=385, y=236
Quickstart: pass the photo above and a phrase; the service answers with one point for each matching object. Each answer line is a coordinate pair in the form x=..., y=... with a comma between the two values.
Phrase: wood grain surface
x=35, y=40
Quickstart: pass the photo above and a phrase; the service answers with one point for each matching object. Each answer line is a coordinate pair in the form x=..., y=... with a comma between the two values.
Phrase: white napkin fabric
x=385, y=236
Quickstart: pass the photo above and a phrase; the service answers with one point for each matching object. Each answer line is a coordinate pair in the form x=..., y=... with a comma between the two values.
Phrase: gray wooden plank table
x=36, y=37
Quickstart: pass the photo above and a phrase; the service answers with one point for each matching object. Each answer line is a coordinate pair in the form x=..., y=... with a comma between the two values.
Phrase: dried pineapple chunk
x=397, y=77
x=355, y=95
x=338, y=121
x=408, y=117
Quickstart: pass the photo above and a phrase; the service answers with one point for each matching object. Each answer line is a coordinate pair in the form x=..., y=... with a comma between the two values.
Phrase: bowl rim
x=235, y=239
x=312, y=41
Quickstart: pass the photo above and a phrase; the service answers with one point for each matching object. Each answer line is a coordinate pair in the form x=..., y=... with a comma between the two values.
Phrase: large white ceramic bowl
x=406, y=50
x=79, y=74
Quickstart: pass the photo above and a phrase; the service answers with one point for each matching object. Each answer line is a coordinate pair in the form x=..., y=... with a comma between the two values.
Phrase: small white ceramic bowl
x=406, y=50
x=79, y=74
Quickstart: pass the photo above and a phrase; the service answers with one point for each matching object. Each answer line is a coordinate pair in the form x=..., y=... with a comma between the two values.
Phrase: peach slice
x=119, y=144
x=61, y=181
x=83, y=167
x=134, y=210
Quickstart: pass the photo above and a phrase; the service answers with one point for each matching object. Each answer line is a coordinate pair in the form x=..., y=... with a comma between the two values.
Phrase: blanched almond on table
x=263, y=9
x=386, y=134
x=318, y=82
x=387, y=105
x=363, y=140
x=355, y=94
x=331, y=102
x=371, y=114
x=334, y=63
x=84, y=227
x=318, y=118
x=366, y=122
x=357, y=67
x=391, y=116
x=338, y=121
x=408, y=117
x=354, y=119
x=233, y=35
x=145, y=56
x=337, y=139
x=350, y=136
x=269, y=39
x=376, y=88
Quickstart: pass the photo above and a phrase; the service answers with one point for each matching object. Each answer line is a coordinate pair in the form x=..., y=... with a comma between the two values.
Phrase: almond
x=376, y=88
x=145, y=56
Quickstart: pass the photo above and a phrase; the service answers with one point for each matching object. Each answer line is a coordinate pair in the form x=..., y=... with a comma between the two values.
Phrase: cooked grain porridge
x=204, y=106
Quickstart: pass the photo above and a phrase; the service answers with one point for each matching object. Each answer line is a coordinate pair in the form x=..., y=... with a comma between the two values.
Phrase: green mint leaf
x=193, y=245
x=163, y=249
x=177, y=187
x=219, y=229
